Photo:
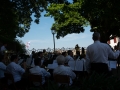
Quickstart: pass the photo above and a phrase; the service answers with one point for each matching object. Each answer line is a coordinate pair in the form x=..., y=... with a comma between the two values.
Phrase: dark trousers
x=99, y=68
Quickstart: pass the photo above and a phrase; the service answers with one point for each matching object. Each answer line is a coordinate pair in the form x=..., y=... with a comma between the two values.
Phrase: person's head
x=64, y=54
x=44, y=51
x=70, y=52
x=37, y=62
x=83, y=56
x=40, y=54
x=1, y=58
x=33, y=52
x=96, y=36
x=78, y=53
x=60, y=60
x=14, y=58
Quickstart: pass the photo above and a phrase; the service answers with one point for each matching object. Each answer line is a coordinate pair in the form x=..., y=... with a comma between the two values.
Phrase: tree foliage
x=16, y=16
x=67, y=18
x=103, y=16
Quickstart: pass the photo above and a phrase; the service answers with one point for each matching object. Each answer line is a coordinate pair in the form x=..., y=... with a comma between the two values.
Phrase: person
x=3, y=49
x=69, y=57
x=64, y=54
x=2, y=68
x=63, y=70
x=37, y=70
x=97, y=54
x=17, y=71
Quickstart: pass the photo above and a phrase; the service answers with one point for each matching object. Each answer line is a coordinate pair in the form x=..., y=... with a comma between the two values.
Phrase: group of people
x=97, y=54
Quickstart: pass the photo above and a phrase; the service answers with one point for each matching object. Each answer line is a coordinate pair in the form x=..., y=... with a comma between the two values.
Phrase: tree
x=103, y=15
x=67, y=18
x=16, y=16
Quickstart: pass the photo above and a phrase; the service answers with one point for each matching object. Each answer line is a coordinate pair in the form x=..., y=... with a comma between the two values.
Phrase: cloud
x=38, y=41
x=72, y=37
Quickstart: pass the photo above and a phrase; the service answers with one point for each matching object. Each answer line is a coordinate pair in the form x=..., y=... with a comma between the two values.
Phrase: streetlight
x=53, y=32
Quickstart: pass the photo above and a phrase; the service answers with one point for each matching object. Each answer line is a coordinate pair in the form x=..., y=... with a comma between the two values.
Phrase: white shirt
x=2, y=69
x=84, y=62
x=3, y=49
x=40, y=71
x=16, y=70
x=98, y=53
x=63, y=70
x=68, y=58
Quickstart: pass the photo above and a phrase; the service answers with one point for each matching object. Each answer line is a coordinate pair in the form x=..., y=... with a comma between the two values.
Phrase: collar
x=37, y=66
x=97, y=41
x=61, y=65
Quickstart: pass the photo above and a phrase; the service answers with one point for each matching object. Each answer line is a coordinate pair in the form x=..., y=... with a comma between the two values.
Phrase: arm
x=72, y=74
x=45, y=73
x=112, y=54
x=20, y=70
x=2, y=66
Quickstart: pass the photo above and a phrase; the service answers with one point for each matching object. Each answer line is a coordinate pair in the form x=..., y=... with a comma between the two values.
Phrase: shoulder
x=2, y=64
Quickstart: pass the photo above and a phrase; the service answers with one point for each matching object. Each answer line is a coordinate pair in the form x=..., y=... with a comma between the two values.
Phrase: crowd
x=95, y=59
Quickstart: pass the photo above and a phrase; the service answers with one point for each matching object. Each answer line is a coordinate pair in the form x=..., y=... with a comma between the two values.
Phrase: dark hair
x=33, y=52
x=13, y=57
x=96, y=36
x=82, y=56
x=69, y=51
x=39, y=53
x=1, y=57
x=37, y=61
x=63, y=53
x=77, y=52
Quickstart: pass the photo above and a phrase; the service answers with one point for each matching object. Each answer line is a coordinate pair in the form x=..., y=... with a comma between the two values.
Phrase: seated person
x=17, y=71
x=37, y=70
x=68, y=58
x=2, y=68
x=63, y=70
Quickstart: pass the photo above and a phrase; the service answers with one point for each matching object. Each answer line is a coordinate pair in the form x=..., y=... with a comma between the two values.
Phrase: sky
x=40, y=36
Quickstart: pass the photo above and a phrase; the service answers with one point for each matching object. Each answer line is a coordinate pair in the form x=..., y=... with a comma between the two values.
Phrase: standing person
x=3, y=49
x=97, y=54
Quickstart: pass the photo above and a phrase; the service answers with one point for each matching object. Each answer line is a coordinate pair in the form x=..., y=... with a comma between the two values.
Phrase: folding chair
x=9, y=76
x=62, y=79
x=35, y=78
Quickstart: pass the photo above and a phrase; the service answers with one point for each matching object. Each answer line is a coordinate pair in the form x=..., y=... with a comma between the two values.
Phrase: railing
x=56, y=49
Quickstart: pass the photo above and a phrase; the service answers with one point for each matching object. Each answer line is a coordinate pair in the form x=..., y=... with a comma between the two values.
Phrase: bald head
x=60, y=59
x=96, y=36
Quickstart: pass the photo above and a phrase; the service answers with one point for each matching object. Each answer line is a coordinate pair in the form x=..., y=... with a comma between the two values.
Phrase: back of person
x=37, y=70
x=15, y=70
x=99, y=52
x=63, y=70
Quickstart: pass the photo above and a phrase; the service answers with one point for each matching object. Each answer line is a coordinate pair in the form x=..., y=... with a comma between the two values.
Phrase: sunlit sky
x=40, y=36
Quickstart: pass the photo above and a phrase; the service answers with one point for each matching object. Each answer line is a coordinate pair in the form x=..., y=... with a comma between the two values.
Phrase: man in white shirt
x=3, y=48
x=37, y=70
x=16, y=70
x=69, y=57
x=2, y=69
x=99, y=52
x=63, y=70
